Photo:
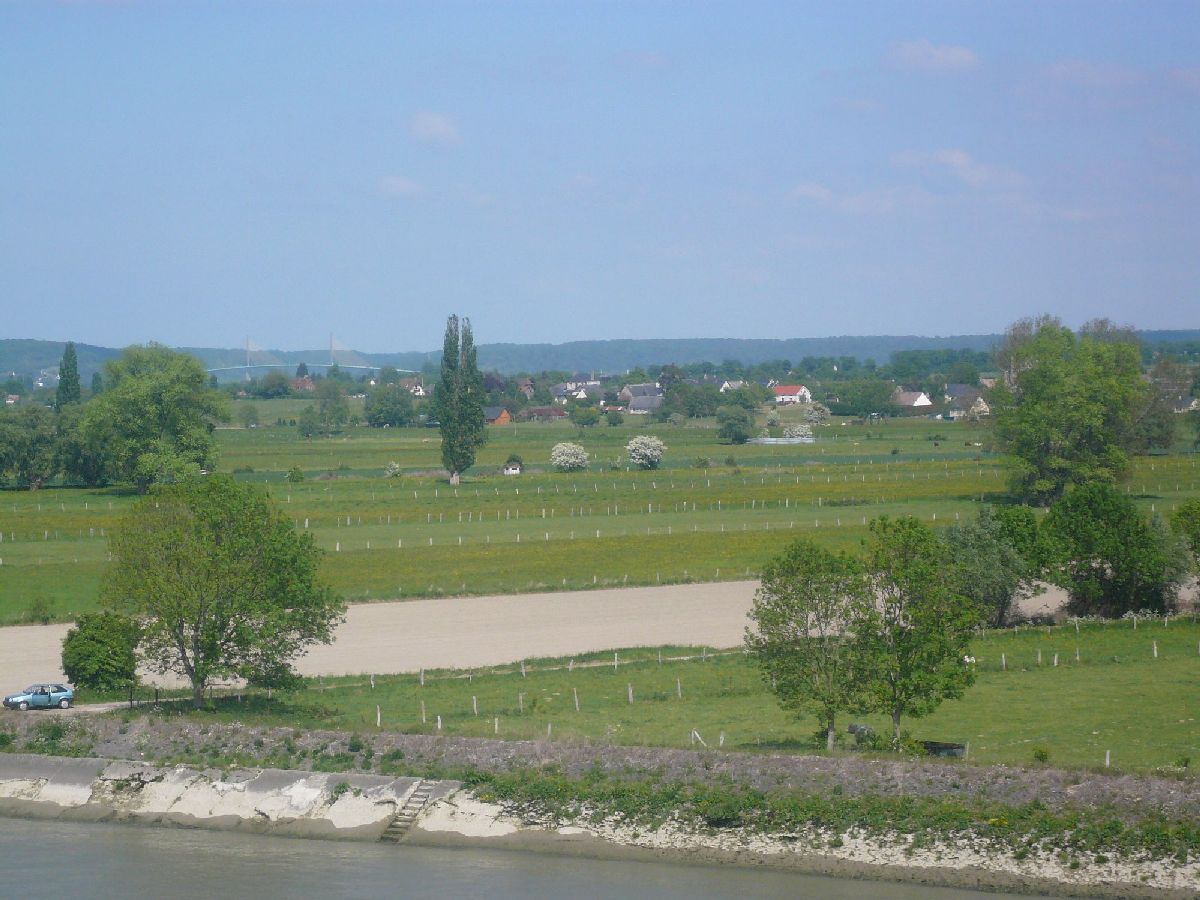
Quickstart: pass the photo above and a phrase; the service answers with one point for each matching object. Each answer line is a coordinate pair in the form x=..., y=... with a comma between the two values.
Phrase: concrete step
x=397, y=829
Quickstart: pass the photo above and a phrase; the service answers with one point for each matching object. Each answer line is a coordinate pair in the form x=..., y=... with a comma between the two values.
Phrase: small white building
x=791, y=393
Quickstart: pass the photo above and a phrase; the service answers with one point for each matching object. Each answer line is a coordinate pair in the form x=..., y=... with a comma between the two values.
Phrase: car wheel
x=22, y=706
x=64, y=703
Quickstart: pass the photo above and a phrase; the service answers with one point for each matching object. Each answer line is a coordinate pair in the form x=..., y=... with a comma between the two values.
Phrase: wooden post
x=1003, y=663
x=378, y=716
x=615, y=661
x=678, y=689
x=1155, y=643
x=474, y=705
x=520, y=702
x=629, y=691
x=1107, y=758
x=423, y=712
x=522, y=668
x=496, y=725
x=575, y=694
x=439, y=723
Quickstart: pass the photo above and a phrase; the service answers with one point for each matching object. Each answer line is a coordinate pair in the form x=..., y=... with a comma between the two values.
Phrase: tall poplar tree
x=68, y=378
x=458, y=400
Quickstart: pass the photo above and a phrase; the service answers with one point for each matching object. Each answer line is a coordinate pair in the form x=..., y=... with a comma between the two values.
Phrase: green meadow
x=712, y=512
x=1115, y=697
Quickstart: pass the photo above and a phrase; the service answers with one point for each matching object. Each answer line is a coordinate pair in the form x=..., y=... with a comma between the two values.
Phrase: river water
x=57, y=859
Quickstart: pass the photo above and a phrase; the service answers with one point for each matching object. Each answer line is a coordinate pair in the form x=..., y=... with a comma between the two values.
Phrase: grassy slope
x=1118, y=698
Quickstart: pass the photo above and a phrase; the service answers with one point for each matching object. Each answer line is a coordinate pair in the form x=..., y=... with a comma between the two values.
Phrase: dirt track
x=461, y=632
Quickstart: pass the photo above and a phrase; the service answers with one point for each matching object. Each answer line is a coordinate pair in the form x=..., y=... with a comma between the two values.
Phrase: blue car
x=41, y=696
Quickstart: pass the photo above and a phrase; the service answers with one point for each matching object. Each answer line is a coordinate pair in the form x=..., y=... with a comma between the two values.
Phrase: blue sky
x=196, y=173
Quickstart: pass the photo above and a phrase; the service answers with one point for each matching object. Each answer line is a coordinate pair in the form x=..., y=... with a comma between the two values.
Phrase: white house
x=791, y=393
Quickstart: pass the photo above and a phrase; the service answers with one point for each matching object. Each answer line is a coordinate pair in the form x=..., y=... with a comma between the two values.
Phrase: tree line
x=889, y=630
x=149, y=418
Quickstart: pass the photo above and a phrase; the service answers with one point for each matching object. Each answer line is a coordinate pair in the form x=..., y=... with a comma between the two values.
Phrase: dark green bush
x=100, y=651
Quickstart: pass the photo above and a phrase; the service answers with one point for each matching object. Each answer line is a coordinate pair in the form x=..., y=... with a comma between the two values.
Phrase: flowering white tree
x=799, y=430
x=568, y=457
x=817, y=414
x=645, y=452
x=392, y=470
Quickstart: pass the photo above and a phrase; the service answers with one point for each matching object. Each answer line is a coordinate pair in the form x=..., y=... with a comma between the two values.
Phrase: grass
x=415, y=536
x=1117, y=698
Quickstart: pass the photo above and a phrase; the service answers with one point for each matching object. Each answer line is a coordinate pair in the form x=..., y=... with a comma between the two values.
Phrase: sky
x=205, y=173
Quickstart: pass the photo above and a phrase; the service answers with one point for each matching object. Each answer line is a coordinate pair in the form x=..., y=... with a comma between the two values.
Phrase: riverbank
x=1032, y=831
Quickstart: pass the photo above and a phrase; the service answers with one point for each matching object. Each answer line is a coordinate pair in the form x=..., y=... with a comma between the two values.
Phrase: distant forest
x=28, y=357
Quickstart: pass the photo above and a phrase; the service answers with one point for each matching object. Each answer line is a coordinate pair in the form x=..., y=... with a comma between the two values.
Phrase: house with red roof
x=791, y=393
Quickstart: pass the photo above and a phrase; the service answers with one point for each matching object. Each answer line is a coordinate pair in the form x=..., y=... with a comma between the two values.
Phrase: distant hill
x=28, y=357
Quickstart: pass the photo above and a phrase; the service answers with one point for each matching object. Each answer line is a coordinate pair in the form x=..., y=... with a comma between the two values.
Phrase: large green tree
x=987, y=566
x=458, y=400
x=156, y=417
x=808, y=601
x=28, y=446
x=388, y=405
x=734, y=424
x=68, y=378
x=333, y=409
x=915, y=638
x=1112, y=560
x=1069, y=406
x=219, y=583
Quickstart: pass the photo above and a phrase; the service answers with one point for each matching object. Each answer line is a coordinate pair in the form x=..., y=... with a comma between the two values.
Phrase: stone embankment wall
x=268, y=801
x=363, y=807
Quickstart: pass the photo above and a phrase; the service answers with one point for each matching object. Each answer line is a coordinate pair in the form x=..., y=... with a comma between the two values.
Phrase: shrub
x=391, y=470
x=38, y=611
x=294, y=475
x=99, y=652
x=568, y=457
x=614, y=418
x=645, y=451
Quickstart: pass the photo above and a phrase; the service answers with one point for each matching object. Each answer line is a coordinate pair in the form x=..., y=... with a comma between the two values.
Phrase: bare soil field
x=462, y=632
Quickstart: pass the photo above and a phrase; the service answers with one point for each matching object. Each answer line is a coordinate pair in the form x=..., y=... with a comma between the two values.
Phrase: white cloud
x=810, y=190
x=924, y=56
x=433, y=128
x=399, y=186
x=973, y=173
x=1098, y=76
x=877, y=201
